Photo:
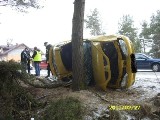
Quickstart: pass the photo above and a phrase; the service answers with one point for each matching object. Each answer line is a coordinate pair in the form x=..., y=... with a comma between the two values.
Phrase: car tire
x=156, y=67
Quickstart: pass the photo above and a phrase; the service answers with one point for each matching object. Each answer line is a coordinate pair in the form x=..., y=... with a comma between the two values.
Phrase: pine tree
x=155, y=32
x=94, y=23
x=126, y=28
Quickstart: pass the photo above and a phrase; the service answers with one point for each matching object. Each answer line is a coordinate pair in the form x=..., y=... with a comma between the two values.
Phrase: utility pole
x=146, y=43
x=144, y=47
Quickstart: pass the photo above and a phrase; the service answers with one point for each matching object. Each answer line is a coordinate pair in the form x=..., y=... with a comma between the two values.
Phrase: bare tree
x=77, y=46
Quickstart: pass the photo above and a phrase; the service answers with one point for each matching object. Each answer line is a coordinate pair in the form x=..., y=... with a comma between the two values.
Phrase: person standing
x=25, y=59
x=48, y=47
x=28, y=61
x=37, y=58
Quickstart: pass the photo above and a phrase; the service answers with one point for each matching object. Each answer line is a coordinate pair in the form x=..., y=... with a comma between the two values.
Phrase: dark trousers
x=28, y=67
x=25, y=66
x=48, y=70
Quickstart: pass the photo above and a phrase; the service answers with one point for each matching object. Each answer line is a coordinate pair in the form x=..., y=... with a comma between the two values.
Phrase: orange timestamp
x=124, y=107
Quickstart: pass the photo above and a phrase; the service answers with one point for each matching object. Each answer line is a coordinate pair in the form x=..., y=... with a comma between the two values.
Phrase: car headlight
x=124, y=81
x=123, y=47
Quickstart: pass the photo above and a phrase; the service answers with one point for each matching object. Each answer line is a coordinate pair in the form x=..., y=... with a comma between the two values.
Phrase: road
x=139, y=74
x=148, y=74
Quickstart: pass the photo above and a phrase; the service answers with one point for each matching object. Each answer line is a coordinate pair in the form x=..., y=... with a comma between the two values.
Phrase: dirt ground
x=140, y=102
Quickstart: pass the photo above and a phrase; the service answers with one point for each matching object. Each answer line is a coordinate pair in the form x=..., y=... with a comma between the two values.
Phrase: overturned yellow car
x=109, y=61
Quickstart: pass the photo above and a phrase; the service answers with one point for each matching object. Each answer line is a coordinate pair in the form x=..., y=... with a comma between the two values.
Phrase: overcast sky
x=53, y=23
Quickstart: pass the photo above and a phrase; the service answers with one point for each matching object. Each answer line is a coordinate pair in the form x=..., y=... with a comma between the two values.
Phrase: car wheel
x=156, y=67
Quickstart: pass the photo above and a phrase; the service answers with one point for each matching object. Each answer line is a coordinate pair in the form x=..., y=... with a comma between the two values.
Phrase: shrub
x=13, y=97
x=64, y=109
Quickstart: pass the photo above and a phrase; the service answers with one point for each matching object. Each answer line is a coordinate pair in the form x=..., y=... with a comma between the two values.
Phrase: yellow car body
x=56, y=64
x=110, y=60
x=119, y=69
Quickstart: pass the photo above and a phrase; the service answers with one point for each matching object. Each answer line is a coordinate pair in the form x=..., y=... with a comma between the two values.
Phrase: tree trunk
x=77, y=46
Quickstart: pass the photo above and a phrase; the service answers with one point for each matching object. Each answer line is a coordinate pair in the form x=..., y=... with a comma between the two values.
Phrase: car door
x=142, y=62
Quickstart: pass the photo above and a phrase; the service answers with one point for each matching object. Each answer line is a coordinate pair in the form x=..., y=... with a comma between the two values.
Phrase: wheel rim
x=155, y=68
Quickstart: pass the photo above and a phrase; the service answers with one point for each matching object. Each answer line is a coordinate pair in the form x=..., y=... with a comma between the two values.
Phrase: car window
x=141, y=56
x=149, y=57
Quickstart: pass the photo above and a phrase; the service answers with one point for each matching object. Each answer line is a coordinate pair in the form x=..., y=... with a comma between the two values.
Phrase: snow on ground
x=97, y=102
x=148, y=83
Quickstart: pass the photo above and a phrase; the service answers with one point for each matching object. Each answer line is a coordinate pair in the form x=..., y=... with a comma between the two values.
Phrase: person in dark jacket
x=37, y=58
x=25, y=59
x=48, y=47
